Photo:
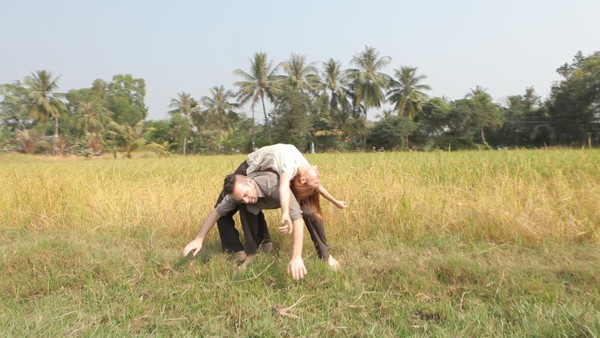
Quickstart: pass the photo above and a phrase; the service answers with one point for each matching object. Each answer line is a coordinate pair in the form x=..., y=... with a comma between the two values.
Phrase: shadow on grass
x=203, y=256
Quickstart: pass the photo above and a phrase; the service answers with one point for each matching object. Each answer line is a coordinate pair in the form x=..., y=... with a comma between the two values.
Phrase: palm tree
x=44, y=101
x=92, y=118
x=130, y=138
x=300, y=76
x=184, y=106
x=478, y=92
x=386, y=114
x=530, y=99
x=406, y=92
x=219, y=108
x=333, y=100
x=367, y=80
x=260, y=82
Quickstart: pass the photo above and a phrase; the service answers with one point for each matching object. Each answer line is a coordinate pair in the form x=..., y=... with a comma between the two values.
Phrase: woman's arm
x=327, y=195
x=296, y=266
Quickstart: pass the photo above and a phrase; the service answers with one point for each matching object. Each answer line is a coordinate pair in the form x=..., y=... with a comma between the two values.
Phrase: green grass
x=433, y=244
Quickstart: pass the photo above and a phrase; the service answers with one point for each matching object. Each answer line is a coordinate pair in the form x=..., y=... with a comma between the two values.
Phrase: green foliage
x=574, y=104
x=125, y=138
x=482, y=112
x=326, y=106
x=334, y=102
x=391, y=133
x=432, y=121
x=239, y=140
x=6, y=136
x=220, y=109
x=158, y=131
x=525, y=122
x=300, y=76
x=45, y=102
x=14, y=110
x=366, y=85
x=467, y=120
x=185, y=118
x=367, y=80
x=406, y=92
x=291, y=118
x=125, y=99
x=261, y=81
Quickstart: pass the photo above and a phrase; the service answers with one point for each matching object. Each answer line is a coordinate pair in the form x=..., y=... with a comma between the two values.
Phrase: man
x=289, y=163
x=253, y=193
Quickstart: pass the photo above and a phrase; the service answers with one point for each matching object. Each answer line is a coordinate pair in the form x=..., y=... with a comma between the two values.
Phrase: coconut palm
x=368, y=82
x=219, y=108
x=478, y=92
x=406, y=92
x=300, y=75
x=333, y=101
x=530, y=99
x=92, y=117
x=185, y=106
x=45, y=102
x=128, y=138
x=260, y=82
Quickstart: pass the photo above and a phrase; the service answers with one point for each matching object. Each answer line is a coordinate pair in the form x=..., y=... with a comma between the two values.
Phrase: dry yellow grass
x=515, y=196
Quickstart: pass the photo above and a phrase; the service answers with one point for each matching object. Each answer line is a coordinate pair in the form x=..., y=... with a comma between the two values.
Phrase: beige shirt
x=267, y=190
x=281, y=158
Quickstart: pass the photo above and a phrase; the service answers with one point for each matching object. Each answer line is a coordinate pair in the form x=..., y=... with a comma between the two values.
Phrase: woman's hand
x=340, y=204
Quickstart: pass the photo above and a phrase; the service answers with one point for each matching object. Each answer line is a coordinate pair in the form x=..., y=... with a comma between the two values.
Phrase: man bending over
x=255, y=192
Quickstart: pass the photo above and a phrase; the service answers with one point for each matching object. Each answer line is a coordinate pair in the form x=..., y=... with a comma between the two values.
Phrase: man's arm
x=196, y=244
x=284, y=200
x=327, y=195
x=296, y=265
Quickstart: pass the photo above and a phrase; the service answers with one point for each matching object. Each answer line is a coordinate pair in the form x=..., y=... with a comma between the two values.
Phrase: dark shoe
x=266, y=247
x=244, y=264
x=240, y=256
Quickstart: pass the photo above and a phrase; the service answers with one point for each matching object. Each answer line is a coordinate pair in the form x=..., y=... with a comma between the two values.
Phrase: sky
x=191, y=46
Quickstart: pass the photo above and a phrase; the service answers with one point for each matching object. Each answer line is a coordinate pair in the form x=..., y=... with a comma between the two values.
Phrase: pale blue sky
x=191, y=46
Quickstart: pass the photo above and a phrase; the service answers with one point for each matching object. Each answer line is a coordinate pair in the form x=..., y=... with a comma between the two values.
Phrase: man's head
x=309, y=176
x=240, y=188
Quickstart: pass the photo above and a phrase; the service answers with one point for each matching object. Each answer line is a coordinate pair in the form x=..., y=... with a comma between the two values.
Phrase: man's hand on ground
x=194, y=245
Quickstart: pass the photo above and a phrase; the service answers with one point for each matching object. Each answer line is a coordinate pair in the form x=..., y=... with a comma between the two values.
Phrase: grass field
x=496, y=243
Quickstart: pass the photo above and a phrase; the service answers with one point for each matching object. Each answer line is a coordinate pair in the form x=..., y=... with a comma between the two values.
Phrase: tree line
x=312, y=105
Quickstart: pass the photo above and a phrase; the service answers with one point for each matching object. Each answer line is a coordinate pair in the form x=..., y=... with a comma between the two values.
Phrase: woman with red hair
x=309, y=200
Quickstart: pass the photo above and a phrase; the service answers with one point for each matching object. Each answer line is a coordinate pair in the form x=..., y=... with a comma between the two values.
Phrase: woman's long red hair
x=307, y=197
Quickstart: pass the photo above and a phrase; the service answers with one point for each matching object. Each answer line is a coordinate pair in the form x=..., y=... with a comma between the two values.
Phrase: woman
x=309, y=200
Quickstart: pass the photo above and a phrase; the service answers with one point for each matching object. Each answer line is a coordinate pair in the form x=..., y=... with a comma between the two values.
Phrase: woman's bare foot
x=333, y=263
